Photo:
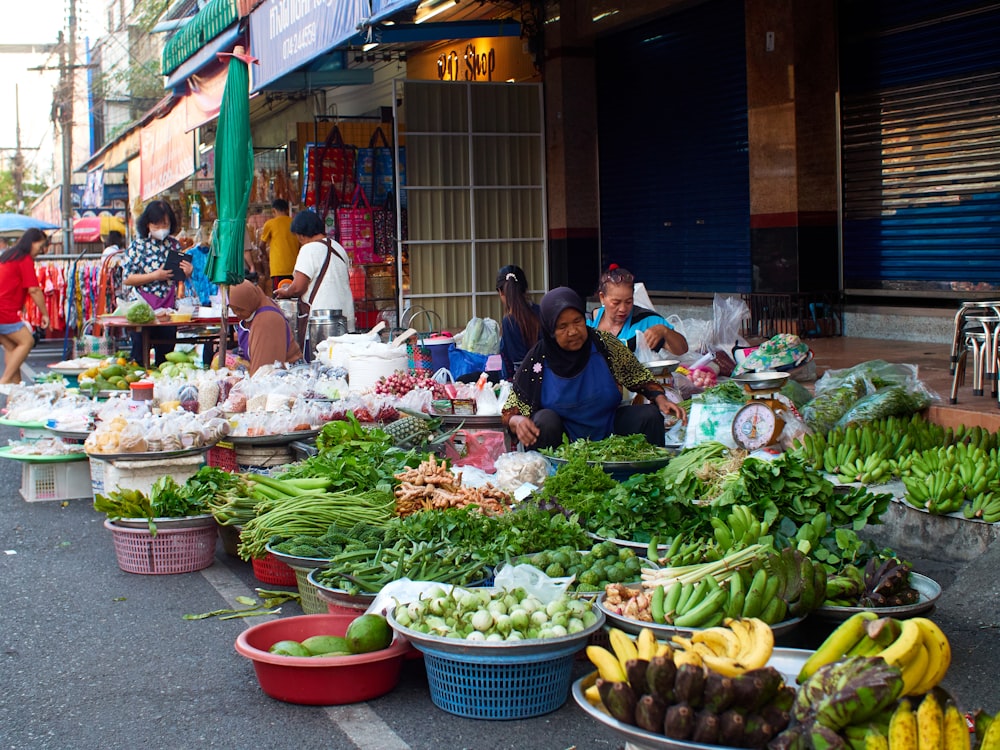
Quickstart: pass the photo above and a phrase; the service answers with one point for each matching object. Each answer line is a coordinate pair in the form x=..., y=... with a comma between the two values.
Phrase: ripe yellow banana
x=743, y=635
x=623, y=646
x=938, y=652
x=722, y=641
x=762, y=640
x=876, y=741
x=838, y=643
x=645, y=644
x=991, y=740
x=682, y=657
x=608, y=666
x=903, y=728
x=722, y=664
x=593, y=697
x=915, y=671
x=905, y=648
x=956, y=731
x=664, y=649
x=930, y=724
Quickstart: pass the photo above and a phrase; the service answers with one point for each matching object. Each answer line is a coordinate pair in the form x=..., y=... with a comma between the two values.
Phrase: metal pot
x=290, y=309
x=324, y=324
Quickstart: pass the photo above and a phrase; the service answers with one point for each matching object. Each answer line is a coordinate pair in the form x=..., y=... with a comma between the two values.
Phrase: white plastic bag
x=487, y=403
x=532, y=580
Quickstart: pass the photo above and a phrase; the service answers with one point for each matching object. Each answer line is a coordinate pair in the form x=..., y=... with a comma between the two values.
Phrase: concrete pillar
x=792, y=124
x=571, y=145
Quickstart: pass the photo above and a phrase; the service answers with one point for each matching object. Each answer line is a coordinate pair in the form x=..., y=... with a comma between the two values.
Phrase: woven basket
x=272, y=571
x=182, y=550
x=308, y=594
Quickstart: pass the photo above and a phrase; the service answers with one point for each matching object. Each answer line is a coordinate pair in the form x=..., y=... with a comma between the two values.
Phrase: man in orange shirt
x=282, y=246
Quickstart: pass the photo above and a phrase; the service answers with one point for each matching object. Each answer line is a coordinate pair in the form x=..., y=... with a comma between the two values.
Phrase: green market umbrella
x=233, y=178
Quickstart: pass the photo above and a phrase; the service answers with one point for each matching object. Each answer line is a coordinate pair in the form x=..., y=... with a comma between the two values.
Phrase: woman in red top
x=18, y=281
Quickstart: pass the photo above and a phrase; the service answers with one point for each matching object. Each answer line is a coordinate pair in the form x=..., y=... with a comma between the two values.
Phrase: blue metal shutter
x=674, y=164
x=920, y=84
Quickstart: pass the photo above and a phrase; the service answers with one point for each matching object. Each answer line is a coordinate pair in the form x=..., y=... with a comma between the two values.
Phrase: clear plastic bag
x=532, y=580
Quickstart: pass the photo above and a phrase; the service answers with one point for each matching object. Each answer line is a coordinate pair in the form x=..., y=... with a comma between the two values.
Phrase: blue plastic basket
x=516, y=686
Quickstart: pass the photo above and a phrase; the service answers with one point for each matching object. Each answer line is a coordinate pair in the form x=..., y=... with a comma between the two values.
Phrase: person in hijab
x=571, y=382
x=263, y=333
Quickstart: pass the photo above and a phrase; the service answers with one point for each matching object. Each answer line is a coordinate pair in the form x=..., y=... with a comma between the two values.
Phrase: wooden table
x=146, y=329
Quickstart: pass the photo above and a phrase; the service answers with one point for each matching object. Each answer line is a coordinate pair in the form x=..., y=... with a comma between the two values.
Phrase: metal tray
x=622, y=469
x=27, y=458
x=282, y=439
x=788, y=661
x=69, y=370
x=298, y=562
x=150, y=455
x=665, y=631
x=328, y=593
x=929, y=591
x=662, y=366
x=539, y=646
x=762, y=381
x=180, y=522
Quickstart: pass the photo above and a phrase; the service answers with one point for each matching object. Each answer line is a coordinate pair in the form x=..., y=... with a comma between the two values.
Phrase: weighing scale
x=759, y=422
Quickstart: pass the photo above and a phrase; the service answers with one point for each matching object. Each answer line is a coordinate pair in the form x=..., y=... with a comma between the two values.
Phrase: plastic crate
x=105, y=476
x=270, y=570
x=479, y=686
x=59, y=481
x=222, y=455
x=308, y=594
x=168, y=551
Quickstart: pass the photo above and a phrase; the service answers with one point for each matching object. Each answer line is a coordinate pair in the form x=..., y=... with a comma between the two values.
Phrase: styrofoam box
x=105, y=476
x=55, y=481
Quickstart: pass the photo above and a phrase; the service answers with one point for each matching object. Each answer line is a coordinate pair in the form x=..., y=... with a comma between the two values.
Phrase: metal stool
x=989, y=308
x=980, y=344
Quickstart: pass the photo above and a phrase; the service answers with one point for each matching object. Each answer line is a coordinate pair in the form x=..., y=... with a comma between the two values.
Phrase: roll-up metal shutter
x=674, y=165
x=920, y=85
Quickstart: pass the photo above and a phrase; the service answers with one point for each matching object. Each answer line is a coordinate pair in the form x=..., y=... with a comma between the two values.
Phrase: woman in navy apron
x=571, y=382
x=264, y=336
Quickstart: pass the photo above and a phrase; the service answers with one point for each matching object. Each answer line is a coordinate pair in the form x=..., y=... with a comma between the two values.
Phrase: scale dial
x=756, y=425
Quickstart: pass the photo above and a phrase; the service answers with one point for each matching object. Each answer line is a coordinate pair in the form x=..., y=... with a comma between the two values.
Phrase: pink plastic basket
x=182, y=550
x=270, y=570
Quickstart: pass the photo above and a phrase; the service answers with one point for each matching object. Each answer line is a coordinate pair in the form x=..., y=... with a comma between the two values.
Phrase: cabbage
x=140, y=312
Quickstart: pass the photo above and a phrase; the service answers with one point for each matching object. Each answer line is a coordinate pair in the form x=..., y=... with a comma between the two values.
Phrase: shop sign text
x=472, y=66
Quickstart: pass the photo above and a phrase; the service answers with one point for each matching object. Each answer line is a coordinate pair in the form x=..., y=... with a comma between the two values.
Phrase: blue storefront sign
x=287, y=34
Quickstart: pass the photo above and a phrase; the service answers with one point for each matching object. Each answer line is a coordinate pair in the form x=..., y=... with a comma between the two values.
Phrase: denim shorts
x=12, y=327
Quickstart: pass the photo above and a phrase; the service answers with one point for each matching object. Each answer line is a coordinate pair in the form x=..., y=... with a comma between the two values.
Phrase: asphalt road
x=93, y=657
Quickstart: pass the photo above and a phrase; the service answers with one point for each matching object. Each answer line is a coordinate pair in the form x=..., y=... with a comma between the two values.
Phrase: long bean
x=312, y=514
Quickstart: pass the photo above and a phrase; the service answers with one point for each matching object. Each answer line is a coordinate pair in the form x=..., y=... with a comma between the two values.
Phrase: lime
x=368, y=633
x=289, y=648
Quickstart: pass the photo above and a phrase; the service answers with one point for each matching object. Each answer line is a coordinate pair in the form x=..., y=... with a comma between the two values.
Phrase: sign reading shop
x=473, y=65
x=285, y=34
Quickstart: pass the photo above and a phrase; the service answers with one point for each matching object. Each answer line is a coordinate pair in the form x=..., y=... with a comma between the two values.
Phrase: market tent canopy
x=92, y=228
x=17, y=223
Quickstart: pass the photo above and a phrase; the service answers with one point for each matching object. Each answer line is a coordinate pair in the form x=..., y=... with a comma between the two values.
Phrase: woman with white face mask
x=146, y=277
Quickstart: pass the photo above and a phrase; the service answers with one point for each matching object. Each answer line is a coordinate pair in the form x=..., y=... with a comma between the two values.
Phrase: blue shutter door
x=920, y=84
x=673, y=154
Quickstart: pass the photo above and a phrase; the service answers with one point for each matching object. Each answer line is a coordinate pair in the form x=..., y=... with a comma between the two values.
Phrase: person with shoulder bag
x=321, y=279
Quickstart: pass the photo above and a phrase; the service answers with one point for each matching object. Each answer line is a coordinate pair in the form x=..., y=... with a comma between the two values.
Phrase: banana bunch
x=844, y=589
x=940, y=480
x=732, y=649
x=917, y=647
x=985, y=507
x=682, y=551
x=672, y=695
x=740, y=529
x=840, y=704
x=932, y=726
x=801, y=584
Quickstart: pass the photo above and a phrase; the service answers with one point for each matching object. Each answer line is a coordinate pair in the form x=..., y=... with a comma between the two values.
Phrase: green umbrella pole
x=224, y=330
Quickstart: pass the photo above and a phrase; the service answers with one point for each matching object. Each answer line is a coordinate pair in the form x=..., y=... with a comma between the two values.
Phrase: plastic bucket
x=438, y=348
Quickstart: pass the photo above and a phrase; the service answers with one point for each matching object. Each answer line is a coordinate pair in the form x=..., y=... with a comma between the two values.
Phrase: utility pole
x=67, y=65
x=18, y=170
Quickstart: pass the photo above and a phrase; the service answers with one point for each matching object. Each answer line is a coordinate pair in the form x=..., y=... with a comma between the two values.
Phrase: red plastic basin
x=319, y=680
